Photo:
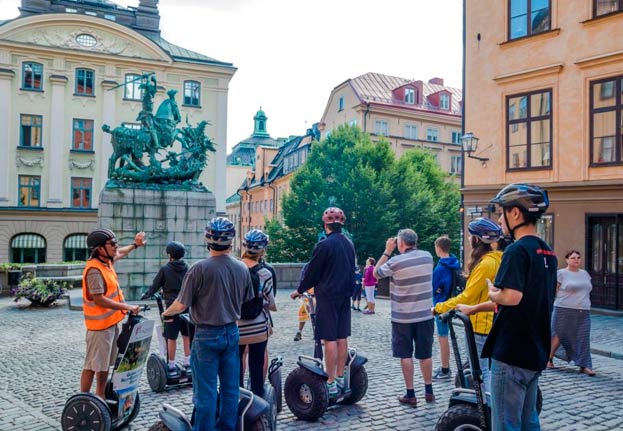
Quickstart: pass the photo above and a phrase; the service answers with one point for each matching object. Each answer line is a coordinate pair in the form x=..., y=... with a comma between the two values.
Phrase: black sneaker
x=298, y=336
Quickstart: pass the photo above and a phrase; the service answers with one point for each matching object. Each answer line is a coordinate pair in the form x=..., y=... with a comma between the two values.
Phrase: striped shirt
x=410, y=285
x=257, y=330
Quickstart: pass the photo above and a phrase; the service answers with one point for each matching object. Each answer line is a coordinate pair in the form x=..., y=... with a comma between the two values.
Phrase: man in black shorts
x=330, y=273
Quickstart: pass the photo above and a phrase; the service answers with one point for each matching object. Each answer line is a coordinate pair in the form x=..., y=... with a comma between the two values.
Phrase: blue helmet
x=527, y=196
x=220, y=233
x=487, y=230
x=255, y=241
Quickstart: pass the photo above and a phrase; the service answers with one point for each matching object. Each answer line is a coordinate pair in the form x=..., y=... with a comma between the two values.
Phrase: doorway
x=604, y=260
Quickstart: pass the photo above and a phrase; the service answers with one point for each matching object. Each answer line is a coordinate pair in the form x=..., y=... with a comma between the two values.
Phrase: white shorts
x=370, y=293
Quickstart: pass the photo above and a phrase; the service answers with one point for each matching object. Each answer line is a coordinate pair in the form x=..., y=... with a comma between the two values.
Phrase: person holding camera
x=411, y=288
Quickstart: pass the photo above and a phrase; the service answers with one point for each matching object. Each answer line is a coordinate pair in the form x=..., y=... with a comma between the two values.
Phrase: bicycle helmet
x=333, y=215
x=99, y=237
x=527, y=196
x=220, y=233
x=176, y=249
x=487, y=230
x=255, y=241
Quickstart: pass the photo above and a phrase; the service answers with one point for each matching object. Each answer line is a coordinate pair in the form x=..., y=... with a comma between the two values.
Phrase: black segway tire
x=156, y=373
x=306, y=394
x=270, y=397
x=275, y=381
x=261, y=424
x=460, y=417
x=358, y=386
x=159, y=426
x=85, y=412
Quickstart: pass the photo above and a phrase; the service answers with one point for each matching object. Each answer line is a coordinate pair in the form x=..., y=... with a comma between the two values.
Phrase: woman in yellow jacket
x=483, y=265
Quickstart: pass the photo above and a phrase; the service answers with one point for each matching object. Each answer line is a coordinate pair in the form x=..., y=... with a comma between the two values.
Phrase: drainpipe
x=462, y=207
x=274, y=199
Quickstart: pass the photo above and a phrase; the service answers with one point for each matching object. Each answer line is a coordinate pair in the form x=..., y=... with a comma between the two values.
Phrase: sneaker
x=334, y=391
x=353, y=307
x=339, y=381
x=412, y=401
x=358, y=309
x=298, y=336
x=430, y=398
x=440, y=375
x=368, y=312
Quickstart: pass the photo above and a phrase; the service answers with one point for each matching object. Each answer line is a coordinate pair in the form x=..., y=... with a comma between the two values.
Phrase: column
x=220, y=157
x=55, y=149
x=6, y=76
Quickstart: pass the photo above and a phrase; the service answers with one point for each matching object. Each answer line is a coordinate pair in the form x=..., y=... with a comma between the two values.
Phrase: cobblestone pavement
x=43, y=349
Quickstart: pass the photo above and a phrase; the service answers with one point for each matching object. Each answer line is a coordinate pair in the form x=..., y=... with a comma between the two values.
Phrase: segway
x=86, y=411
x=305, y=388
x=253, y=414
x=159, y=376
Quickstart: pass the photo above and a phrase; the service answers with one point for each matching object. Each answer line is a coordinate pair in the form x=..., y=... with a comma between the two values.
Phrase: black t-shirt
x=521, y=334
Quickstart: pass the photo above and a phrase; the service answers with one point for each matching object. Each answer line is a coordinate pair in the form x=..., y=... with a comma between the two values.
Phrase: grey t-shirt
x=214, y=289
x=575, y=289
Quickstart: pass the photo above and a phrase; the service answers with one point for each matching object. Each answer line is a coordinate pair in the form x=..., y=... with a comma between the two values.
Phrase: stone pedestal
x=164, y=215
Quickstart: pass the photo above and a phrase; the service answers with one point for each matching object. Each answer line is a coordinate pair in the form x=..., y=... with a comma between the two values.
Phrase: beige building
x=63, y=66
x=408, y=113
x=544, y=94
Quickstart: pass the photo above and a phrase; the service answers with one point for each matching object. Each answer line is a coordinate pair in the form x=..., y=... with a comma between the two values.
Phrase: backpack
x=458, y=282
x=253, y=307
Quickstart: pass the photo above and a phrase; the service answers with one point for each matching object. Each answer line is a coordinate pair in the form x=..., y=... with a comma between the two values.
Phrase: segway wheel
x=306, y=394
x=86, y=412
x=275, y=381
x=156, y=373
x=358, y=385
x=261, y=424
x=135, y=409
x=270, y=396
x=460, y=417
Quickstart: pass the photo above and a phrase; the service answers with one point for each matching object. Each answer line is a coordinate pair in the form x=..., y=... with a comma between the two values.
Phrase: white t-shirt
x=575, y=290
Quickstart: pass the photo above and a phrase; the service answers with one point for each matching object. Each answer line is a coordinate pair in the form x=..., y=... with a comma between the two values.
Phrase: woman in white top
x=571, y=319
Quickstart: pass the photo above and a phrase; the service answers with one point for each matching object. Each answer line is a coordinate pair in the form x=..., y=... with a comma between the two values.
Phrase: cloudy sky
x=290, y=54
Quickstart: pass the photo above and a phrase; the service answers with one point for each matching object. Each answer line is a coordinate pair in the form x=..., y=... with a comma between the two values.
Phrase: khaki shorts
x=101, y=349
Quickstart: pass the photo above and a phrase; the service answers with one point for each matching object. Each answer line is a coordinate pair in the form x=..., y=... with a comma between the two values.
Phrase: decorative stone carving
x=85, y=165
x=23, y=161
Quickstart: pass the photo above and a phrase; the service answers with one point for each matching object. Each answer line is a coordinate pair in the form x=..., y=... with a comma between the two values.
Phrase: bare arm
x=504, y=296
x=478, y=308
x=139, y=241
x=176, y=308
x=390, y=246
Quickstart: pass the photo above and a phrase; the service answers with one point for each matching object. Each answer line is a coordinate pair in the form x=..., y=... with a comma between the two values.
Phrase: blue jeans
x=215, y=352
x=513, y=398
x=484, y=363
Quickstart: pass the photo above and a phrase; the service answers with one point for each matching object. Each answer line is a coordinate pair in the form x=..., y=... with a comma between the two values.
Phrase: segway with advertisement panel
x=305, y=388
x=87, y=411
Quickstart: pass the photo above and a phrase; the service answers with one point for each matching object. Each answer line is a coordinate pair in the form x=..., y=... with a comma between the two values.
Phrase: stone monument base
x=164, y=215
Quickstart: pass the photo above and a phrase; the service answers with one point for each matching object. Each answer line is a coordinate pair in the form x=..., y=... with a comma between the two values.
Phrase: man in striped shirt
x=410, y=285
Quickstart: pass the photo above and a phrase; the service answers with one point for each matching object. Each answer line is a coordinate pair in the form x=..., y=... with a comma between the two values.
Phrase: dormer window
x=410, y=96
x=444, y=101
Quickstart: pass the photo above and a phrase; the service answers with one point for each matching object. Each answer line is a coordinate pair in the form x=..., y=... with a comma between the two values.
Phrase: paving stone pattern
x=43, y=350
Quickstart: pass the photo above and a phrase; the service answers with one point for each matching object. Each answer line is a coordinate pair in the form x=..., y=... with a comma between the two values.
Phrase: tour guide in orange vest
x=103, y=305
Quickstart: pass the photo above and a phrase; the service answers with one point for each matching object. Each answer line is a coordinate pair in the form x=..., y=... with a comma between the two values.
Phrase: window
x=28, y=248
x=192, y=93
x=410, y=96
x=545, y=229
x=528, y=17
x=32, y=76
x=456, y=137
x=30, y=131
x=340, y=103
x=381, y=127
x=606, y=107
x=81, y=192
x=604, y=7
x=410, y=131
x=29, y=191
x=444, y=101
x=432, y=134
x=133, y=89
x=86, y=40
x=455, y=165
x=75, y=248
x=529, y=130
x=82, y=135
x=85, y=82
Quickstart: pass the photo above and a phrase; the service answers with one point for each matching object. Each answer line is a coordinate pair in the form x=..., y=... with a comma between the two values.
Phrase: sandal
x=587, y=371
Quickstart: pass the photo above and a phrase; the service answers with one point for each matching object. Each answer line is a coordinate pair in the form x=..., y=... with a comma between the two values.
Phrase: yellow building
x=544, y=94
x=408, y=113
x=63, y=66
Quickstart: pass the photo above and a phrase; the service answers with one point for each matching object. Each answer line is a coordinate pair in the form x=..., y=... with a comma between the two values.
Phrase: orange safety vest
x=97, y=317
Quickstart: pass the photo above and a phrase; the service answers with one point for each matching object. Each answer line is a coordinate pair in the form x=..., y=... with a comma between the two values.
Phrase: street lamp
x=470, y=145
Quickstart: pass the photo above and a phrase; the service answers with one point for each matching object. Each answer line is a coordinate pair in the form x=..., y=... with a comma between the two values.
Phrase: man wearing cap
x=330, y=273
x=214, y=290
x=103, y=305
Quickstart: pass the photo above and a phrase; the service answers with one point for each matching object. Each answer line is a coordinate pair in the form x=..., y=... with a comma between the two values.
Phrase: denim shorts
x=442, y=328
x=405, y=335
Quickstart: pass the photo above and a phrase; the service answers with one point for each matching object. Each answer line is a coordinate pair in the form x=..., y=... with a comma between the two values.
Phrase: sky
x=290, y=54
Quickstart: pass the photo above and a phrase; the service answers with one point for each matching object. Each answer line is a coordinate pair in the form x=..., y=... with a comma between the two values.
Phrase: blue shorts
x=442, y=328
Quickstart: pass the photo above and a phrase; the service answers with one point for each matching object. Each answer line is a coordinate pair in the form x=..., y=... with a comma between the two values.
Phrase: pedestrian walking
x=215, y=289
x=369, y=285
x=357, y=289
x=411, y=291
x=571, y=319
x=520, y=339
x=104, y=306
x=330, y=273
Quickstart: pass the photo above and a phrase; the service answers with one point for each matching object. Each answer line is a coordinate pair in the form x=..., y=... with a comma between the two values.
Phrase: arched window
x=75, y=247
x=28, y=248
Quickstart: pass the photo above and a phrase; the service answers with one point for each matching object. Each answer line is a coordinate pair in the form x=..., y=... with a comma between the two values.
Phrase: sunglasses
x=113, y=242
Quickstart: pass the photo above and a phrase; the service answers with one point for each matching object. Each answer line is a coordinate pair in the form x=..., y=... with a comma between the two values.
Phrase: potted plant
x=10, y=274
x=41, y=293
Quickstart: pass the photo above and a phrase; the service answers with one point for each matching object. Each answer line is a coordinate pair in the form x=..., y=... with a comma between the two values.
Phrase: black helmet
x=99, y=237
x=220, y=233
x=176, y=249
x=485, y=229
x=255, y=241
x=527, y=196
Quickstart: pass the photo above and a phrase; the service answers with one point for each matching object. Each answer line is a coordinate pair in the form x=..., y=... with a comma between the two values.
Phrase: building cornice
x=7, y=73
x=551, y=69
x=593, y=185
x=598, y=60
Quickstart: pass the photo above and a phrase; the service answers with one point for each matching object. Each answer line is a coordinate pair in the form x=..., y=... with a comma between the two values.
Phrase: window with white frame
x=444, y=101
x=410, y=96
x=456, y=137
x=410, y=131
x=381, y=127
x=132, y=87
x=455, y=165
x=432, y=134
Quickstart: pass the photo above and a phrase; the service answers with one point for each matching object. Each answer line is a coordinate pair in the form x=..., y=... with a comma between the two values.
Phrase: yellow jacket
x=476, y=291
